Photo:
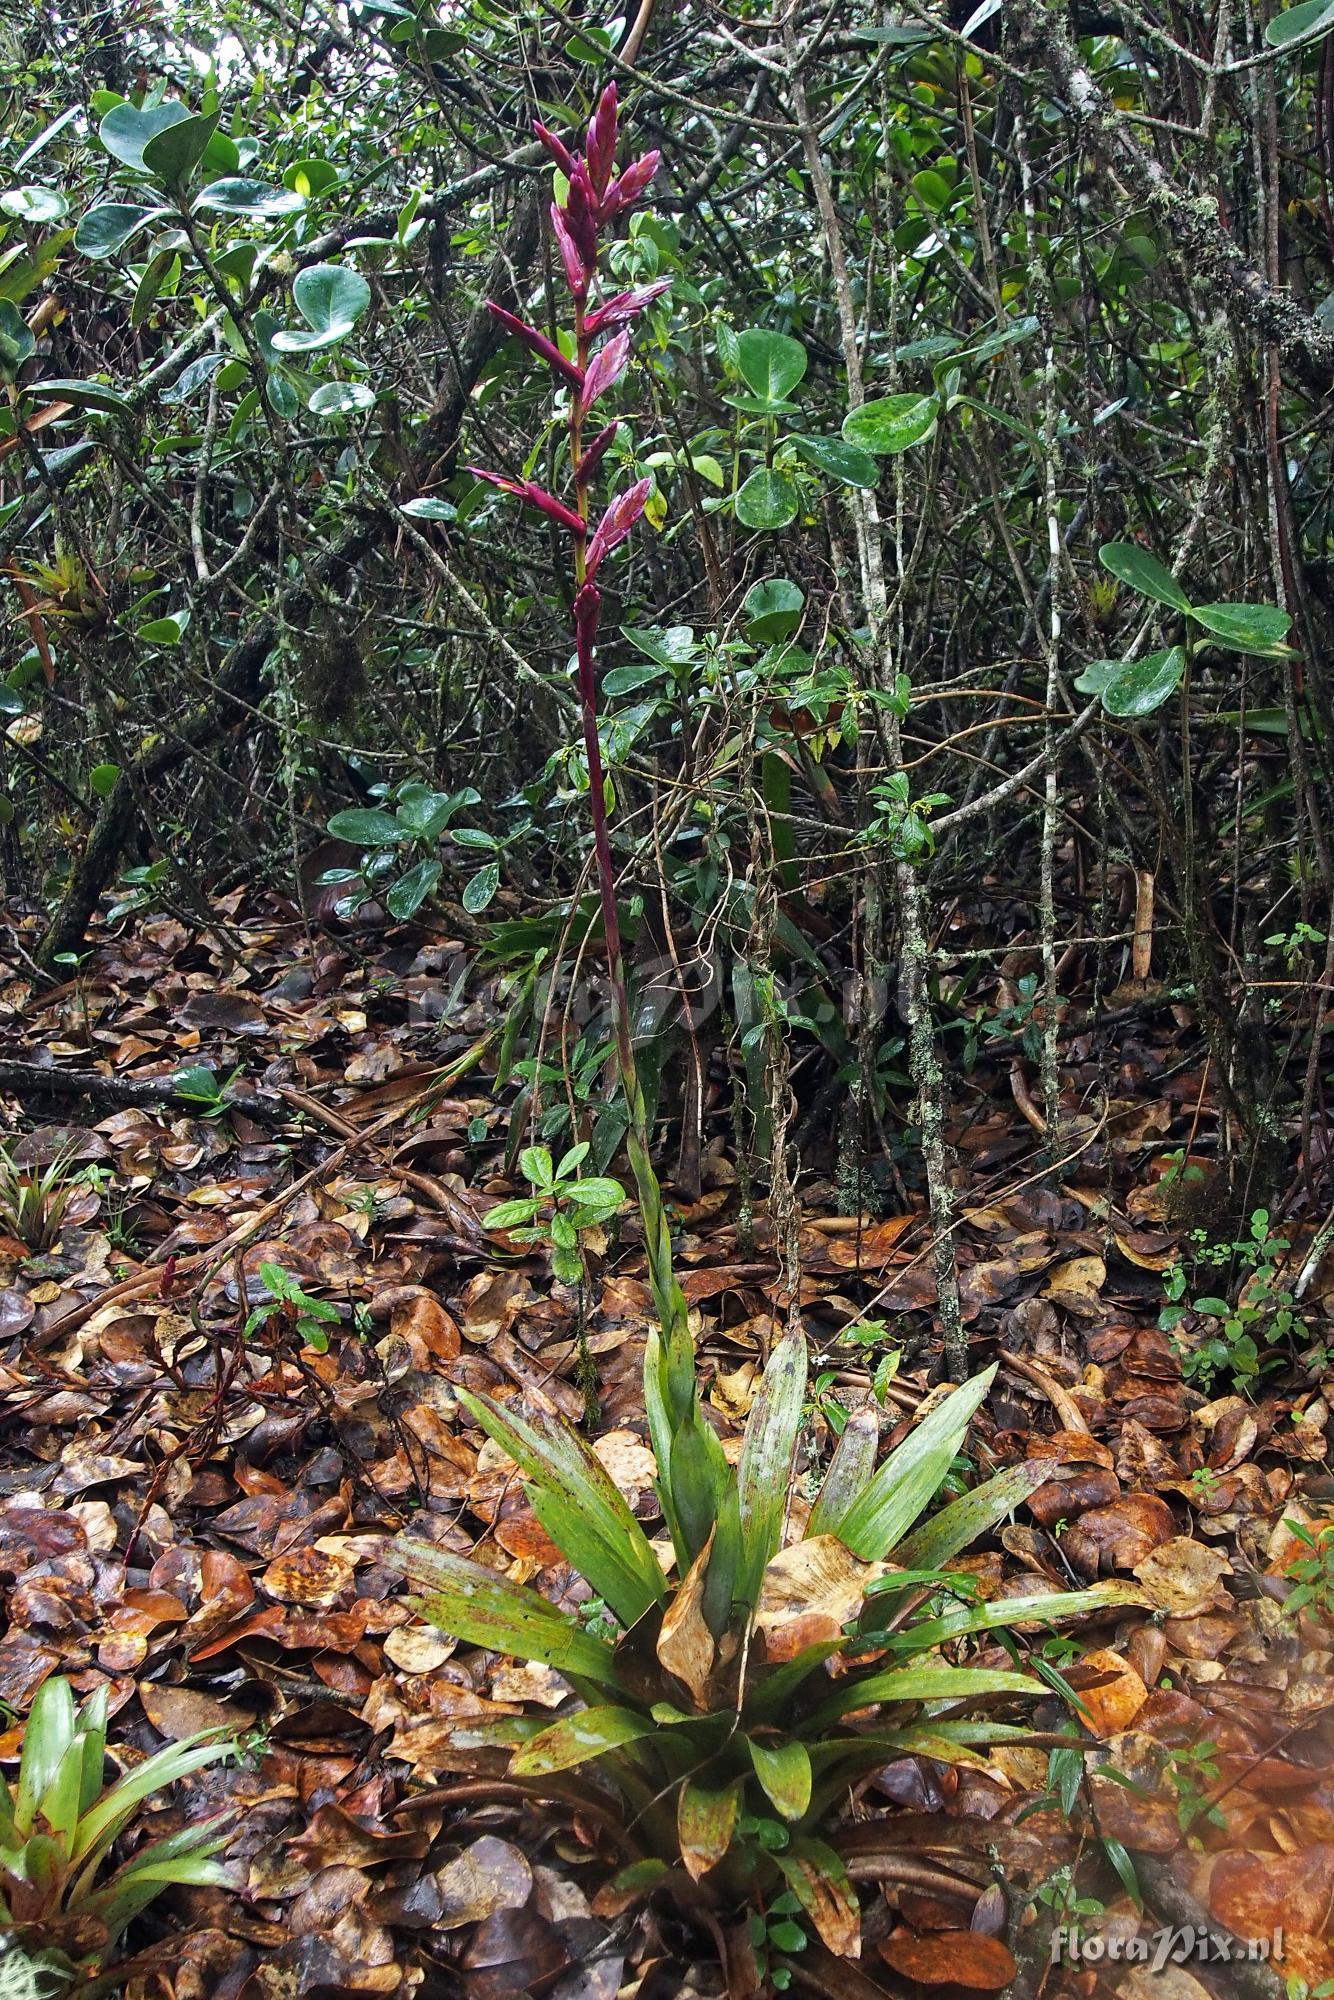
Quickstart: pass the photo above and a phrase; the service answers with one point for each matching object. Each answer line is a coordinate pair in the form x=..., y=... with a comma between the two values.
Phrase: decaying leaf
x=809, y=1593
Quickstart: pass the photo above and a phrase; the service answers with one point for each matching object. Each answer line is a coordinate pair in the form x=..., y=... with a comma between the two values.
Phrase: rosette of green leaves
x=713, y=1716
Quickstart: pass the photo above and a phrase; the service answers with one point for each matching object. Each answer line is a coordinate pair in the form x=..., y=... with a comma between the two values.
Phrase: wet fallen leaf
x=951, y=1958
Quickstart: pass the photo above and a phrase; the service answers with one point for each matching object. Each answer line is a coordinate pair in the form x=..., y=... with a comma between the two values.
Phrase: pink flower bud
x=537, y=343
x=625, y=192
x=587, y=607
x=581, y=216
x=592, y=458
x=626, y=306
x=600, y=144
x=616, y=523
x=557, y=148
x=605, y=369
x=535, y=496
x=576, y=276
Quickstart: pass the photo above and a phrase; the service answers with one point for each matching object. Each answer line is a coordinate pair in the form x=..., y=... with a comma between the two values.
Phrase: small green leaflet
x=331, y=299
x=1300, y=24
x=1144, y=685
x=767, y=500
x=1131, y=564
x=891, y=424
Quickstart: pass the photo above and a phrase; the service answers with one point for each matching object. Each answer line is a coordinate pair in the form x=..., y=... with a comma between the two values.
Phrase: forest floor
x=199, y=1518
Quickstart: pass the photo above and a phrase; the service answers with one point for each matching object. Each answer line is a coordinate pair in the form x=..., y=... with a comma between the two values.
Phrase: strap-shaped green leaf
x=906, y=1482
x=578, y=1739
x=784, y=1772
x=1043, y=1607
x=764, y=1476
x=971, y=1515
x=849, y=1474
x=49, y=1734
x=924, y=1683
x=578, y=1494
x=475, y=1604
x=706, y=1819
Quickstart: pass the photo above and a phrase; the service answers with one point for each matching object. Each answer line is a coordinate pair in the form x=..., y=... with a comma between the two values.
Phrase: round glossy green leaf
x=105, y=230
x=1299, y=24
x=171, y=156
x=932, y=189
x=243, y=197
x=839, y=459
x=102, y=778
x=341, y=399
x=11, y=702
x=411, y=890
x=364, y=826
x=891, y=423
x=1131, y=564
x=771, y=364
x=16, y=337
x=767, y=500
x=34, y=204
x=86, y=395
x=331, y=299
x=481, y=888
x=1098, y=675
x=126, y=132
x=773, y=609
x=1145, y=685
x=310, y=177
x=281, y=394
x=1244, y=628
x=428, y=509
x=165, y=631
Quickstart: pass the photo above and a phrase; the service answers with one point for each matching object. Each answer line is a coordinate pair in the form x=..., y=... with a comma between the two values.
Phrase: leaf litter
x=198, y=1521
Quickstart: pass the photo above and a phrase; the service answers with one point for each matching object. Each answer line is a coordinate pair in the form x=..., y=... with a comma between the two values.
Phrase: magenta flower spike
x=605, y=370
x=616, y=524
x=537, y=343
x=576, y=273
x=582, y=216
x=536, y=496
x=633, y=183
x=624, y=308
x=593, y=456
x=557, y=148
x=600, y=143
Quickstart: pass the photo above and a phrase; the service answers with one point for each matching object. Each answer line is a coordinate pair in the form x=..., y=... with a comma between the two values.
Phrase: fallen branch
x=30, y=1079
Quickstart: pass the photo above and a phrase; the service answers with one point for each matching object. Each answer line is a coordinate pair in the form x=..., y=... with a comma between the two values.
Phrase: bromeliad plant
x=57, y=1902
x=715, y=1718
x=739, y=1704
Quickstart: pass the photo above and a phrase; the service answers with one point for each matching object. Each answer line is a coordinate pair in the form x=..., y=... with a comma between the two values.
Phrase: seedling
x=308, y=1318
x=560, y=1208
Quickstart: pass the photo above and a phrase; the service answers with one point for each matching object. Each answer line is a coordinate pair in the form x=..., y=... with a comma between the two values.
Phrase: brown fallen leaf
x=1120, y=1535
x=808, y=1594
x=1253, y=1894
x=951, y=1958
x=1114, y=1703
x=308, y=1576
x=1182, y=1576
x=685, y=1643
x=490, y=1875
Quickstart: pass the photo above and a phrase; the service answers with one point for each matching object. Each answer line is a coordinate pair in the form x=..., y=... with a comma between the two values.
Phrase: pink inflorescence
x=595, y=195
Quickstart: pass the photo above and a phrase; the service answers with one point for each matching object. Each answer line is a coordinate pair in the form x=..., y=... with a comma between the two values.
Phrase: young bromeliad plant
x=61, y=1909
x=716, y=1718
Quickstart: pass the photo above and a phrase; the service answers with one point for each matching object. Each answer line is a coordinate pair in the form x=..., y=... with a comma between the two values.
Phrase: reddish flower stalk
x=594, y=195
